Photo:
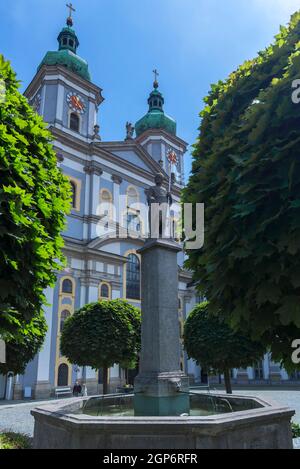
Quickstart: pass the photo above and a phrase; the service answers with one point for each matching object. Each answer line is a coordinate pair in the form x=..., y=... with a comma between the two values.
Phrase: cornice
x=161, y=132
x=69, y=75
x=102, y=151
x=85, y=253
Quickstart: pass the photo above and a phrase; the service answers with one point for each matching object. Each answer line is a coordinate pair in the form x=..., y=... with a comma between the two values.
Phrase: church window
x=105, y=291
x=259, y=370
x=67, y=287
x=71, y=43
x=132, y=196
x=75, y=193
x=65, y=41
x=63, y=375
x=74, y=122
x=63, y=317
x=133, y=222
x=73, y=190
x=106, y=207
x=133, y=278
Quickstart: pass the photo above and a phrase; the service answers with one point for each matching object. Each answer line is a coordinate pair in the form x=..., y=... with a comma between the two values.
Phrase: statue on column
x=161, y=200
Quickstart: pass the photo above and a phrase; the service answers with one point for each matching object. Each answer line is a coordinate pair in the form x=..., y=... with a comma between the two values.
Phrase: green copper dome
x=66, y=54
x=156, y=118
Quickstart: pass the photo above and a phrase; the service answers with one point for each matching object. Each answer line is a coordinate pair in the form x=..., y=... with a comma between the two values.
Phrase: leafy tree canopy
x=246, y=170
x=215, y=346
x=21, y=351
x=103, y=334
x=34, y=198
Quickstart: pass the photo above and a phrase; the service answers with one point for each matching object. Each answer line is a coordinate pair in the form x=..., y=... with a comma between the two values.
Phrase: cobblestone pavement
x=287, y=397
x=16, y=416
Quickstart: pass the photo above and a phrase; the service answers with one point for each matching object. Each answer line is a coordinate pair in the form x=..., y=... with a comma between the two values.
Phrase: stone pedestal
x=161, y=389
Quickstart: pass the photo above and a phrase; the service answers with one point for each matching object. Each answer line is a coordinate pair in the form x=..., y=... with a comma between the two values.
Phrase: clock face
x=76, y=103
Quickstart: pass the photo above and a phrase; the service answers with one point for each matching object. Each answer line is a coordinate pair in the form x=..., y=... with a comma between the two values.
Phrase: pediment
x=132, y=154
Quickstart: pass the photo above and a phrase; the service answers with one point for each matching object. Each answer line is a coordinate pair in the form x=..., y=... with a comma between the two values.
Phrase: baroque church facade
x=106, y=226
x=108, y=181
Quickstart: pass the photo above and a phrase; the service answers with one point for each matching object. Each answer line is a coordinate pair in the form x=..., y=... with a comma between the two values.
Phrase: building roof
x=66, y=54
x=156, y=117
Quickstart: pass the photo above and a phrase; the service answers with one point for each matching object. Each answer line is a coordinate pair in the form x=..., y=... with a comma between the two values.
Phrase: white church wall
x=116, y=294
x=43, y=373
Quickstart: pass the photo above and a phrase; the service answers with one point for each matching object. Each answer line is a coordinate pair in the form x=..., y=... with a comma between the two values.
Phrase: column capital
x=93, y=168
x=117, y=179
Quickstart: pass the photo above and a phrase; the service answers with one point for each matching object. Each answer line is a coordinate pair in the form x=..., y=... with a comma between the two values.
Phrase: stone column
x=43, y=385
x=161, y=389
x=94, y=173
x=117, y=180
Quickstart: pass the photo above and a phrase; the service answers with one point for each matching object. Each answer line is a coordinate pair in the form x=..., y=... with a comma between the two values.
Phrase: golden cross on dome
x=71, y=8
x=156, y=74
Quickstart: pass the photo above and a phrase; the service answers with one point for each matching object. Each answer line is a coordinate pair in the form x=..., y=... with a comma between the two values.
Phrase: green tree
x=216, y=347
x=246, y=170
x=34, y=198
x=22, y=350
x=103, y=334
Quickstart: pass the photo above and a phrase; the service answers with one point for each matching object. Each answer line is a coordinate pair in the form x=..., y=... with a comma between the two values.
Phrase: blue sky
x=193, y=43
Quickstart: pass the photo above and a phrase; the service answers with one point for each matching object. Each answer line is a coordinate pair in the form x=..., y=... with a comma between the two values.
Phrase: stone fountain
x=162, y=414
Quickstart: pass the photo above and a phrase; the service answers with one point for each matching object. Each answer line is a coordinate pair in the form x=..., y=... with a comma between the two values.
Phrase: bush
x=14, y=441
x=296, y=430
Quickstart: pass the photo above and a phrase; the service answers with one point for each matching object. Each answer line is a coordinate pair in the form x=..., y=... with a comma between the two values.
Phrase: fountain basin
x=250, y=423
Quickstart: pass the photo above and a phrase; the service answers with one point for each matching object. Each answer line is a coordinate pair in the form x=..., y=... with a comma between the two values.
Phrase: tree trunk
x=105, y=380
x=228, y=381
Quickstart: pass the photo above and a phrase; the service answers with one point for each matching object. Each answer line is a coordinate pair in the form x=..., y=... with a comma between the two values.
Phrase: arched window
x=133, y=278
x=105, y=291
x=63, y=317
x=132, y=196
x=74, y=195
x=106, y=203
x=63, y=375
x=133, y=222
x=75, y=185
x=67, y=287
x=74, y=122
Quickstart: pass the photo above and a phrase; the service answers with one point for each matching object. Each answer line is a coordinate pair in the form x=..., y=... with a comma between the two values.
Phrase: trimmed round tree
x=21, y=350
x=34, y=198
x=216, y=347
x=101, y=335
x=246, y=171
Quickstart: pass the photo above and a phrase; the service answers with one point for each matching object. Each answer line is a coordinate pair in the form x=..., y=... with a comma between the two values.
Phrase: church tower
x=157, y=133
x=62, y=91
